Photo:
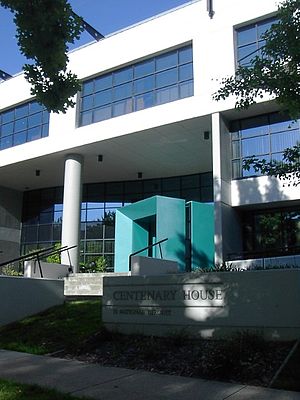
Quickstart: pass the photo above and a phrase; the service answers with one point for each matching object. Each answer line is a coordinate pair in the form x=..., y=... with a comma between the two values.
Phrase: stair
x=86, y=284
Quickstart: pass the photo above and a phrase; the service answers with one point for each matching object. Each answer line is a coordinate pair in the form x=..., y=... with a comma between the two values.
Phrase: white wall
x=21, y=297
x=263, y=189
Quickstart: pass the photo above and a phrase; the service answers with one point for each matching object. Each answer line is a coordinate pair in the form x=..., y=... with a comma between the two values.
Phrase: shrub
x=97, y=265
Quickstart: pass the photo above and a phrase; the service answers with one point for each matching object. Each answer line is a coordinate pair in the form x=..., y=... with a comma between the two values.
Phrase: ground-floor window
x=43, y=209
x=271, y=232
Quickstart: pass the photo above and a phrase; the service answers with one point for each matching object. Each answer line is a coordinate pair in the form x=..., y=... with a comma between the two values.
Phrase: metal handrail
x=41, y=254
x=147, y=248
x=29, y=256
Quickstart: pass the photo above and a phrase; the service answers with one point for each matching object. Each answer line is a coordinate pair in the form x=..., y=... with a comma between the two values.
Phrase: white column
x=216, y=140
x=71, y=209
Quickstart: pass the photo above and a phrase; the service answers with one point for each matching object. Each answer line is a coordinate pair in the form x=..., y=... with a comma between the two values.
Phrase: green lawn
x=61, y=327
x=16, y=391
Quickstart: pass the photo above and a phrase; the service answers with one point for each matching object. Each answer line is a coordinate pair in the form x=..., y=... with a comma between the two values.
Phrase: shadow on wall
x=192, y=257
x=259, y=190
x=209, y=305
x=253, y=302
x=21, y=297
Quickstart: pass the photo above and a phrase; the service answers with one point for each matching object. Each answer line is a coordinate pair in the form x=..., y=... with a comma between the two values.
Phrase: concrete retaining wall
x=88, y=284
x=21, y=297
x=208, y=305
x=49, y=270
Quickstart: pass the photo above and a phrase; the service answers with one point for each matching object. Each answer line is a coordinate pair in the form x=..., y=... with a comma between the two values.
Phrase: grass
x=16, y=391
x=61, y=327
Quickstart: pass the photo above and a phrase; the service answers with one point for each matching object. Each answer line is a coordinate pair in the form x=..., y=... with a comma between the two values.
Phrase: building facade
x=145, y=124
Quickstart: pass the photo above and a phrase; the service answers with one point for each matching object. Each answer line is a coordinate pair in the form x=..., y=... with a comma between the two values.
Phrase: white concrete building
x=145, y=123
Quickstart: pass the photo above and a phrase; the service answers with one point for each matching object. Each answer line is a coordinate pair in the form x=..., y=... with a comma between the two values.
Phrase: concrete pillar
x=72, y=208
x=216, y=146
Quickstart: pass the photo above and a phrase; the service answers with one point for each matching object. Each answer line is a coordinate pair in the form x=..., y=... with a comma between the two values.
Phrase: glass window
x=34, y=120
x=45, y=233
x=94, y=230
x=281, y=141
x=122, y=107
x=94, y=204
x=144, y=101
x=185, y=55
x=109, y=246
x=207, y=194
x=265, y=137
x=246, y=35
x=186, y=89
x=255, y=146
x=236, y=149
x=19, y=138
x=122, y=91
x=18, y=124
x=21, y=111
x=185, y=72
x=58, y=216
x=191, y=194
x=30, y=234
x=171, y=184
x=144, y=84
x=123, y=75
x=102, y=98
x=190, y=181
x=34, y=133
x=95, y=214
x=249, y=41
x=265, y=25
x=86, y=118
x=140, y=84
x=7, y=129
x=102, y=113
x=255, y=126
x=144, y=68
x=8, y=116
x=236, y=169
x=166, y=61
x=103, y=82
x=21, y=124
x=246, y=54
x=6, y=142
x=167, y=94
x=35, y=107
x=166, y=78
x=57, y=232
x=87, y=102
x=133, y=187
x=87, y=88
x=152, y=185
x=279, y=123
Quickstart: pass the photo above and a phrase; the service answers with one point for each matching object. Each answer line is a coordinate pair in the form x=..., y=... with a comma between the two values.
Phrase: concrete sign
x=209, y=305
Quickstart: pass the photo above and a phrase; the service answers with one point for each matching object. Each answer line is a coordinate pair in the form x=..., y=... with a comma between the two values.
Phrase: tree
x=275, y=72
x=44, y=29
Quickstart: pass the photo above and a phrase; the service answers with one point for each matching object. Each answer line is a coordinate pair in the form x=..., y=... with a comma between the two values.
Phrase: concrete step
x=87, y=284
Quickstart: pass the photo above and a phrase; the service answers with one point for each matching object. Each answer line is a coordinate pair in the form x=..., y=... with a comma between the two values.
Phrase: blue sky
x=106, y=16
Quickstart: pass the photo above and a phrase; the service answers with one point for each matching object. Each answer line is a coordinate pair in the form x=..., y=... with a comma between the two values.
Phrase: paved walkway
x=108, y=383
